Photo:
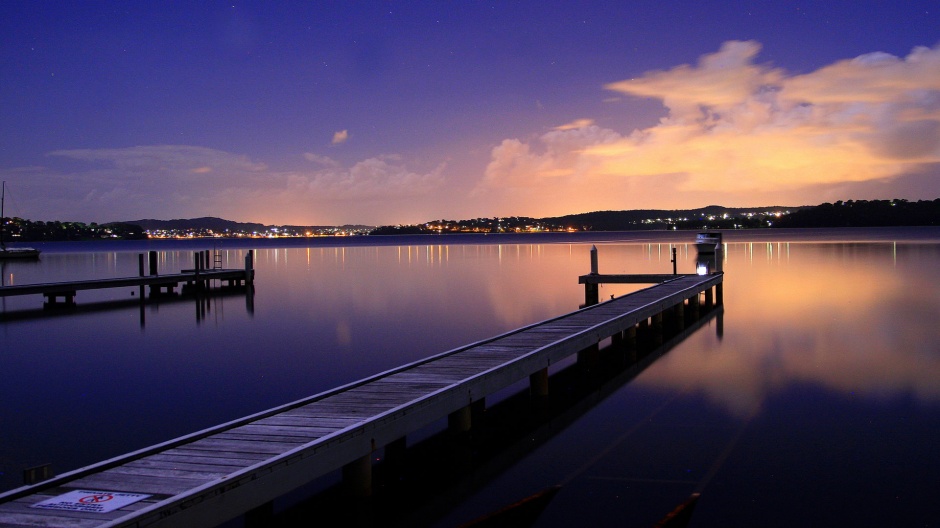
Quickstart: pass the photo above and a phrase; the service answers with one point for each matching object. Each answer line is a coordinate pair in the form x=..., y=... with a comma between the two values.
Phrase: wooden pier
x=198, y=277
x=211, y=476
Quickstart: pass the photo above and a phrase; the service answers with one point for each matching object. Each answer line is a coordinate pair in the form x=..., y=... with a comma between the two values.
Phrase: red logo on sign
x=94, y=499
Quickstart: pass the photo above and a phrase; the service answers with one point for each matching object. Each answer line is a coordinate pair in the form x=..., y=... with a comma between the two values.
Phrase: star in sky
x=384, y=113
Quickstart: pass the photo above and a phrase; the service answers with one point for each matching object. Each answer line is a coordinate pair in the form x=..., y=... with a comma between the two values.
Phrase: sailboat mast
x=3, y=224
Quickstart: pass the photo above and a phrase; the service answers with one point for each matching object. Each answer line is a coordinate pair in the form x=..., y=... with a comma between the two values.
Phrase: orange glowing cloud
x=340, y=137
x=734, y=128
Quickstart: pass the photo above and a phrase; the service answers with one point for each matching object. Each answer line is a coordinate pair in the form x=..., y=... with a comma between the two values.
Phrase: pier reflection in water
x=205, y=302
x=823, y=389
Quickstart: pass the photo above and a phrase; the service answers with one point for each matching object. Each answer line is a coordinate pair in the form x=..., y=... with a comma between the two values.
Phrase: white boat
x=17, y=252
x=707, y=242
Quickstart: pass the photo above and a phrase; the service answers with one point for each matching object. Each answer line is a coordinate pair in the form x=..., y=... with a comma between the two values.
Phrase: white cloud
x=372, y=178
x=164, y=158
x=321, y=160
x=178, y=181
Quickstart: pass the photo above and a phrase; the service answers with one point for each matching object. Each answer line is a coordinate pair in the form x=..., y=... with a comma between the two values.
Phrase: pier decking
x=216, y=474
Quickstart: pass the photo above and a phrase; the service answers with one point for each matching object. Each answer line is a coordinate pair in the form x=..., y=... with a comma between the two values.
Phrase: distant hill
x=653, y=218
x=205, y=222
x=220, y=225
x=857, y=213
x=866, y=213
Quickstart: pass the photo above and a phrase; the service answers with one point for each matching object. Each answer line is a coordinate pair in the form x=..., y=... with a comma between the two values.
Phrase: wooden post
x=153, y=263
x=589, y=357
x=394, y=464
x=140, y=269
x=250, y=267
x=357, y=477
x=592, y=291
x=674, y=270
x=260, y=516
x=462, y=420
x=708, y=298
x=719, y=293
x=591, y=294
x=459, y=421
x=657, y=328
x=538, y=384
x=630, y=342
x=617, y=339
x=679, y=310
x=37, y=474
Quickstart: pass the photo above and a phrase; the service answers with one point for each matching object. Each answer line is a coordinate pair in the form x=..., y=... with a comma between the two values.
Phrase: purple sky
x=401, y=112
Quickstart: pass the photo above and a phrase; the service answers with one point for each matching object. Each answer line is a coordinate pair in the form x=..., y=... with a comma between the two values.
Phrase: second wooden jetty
x=211, y=476
x=158, y=283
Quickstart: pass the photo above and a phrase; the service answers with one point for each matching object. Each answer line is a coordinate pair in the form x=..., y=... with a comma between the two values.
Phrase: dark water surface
x=818, y=404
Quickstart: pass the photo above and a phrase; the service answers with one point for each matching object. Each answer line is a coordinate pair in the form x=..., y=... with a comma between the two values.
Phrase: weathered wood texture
x=213, y=475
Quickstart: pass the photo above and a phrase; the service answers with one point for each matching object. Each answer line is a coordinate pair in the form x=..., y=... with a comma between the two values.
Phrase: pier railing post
x=592, y=290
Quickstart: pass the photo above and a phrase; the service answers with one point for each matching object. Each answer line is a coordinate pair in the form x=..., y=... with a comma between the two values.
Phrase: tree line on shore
x=18, y=229
x=851, y=213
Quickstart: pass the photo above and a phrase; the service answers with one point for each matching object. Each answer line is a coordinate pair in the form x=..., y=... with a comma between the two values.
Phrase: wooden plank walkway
x=213, y=475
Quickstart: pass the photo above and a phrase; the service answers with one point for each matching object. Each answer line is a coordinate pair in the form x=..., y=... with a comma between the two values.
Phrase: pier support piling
x=250, y=267
x=357, y=477
x=260, y=516
x=657, y=328
x=460, y=421
x=538, y=383
x=396, y=453
x=679, y=311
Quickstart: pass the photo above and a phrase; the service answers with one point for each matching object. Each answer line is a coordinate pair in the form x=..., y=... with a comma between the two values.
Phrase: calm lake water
x=816, y=404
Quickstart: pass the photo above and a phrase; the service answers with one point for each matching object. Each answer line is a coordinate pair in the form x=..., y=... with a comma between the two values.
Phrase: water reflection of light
x=851, y=323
